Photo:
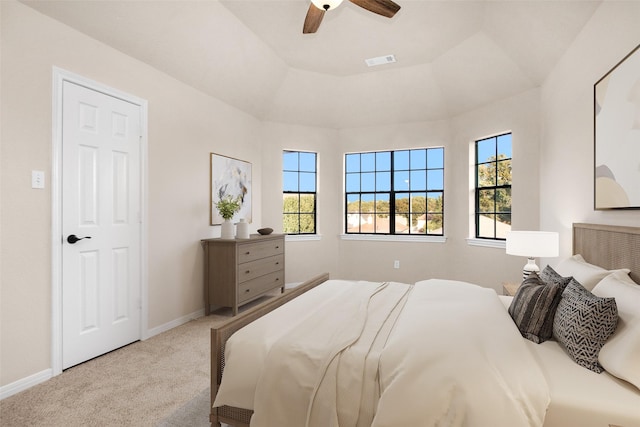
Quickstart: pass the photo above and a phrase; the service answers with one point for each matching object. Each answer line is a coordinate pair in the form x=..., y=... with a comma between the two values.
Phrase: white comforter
x=440, y=353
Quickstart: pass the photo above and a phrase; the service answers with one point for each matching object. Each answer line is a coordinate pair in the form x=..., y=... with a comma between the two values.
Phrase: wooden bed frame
x=610, y=247
x=219, y=336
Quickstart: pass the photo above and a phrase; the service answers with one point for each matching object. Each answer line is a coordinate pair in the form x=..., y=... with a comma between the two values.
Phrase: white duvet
x=439, y=353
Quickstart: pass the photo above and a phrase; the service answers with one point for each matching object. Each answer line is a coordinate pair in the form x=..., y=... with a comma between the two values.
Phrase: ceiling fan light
x=326, y=4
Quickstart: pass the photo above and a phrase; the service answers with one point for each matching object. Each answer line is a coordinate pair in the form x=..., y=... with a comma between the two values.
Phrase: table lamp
x=532, y=244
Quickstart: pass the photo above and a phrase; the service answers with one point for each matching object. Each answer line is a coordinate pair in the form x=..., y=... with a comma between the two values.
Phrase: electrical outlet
x=396, y=264
x=37, y=179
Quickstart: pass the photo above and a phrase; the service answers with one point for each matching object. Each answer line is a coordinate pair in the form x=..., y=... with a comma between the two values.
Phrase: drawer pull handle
x=277, y=247
x=277, y=279
x=247, y=272
x=247, y=253
x=247, y=290
x=278, y=263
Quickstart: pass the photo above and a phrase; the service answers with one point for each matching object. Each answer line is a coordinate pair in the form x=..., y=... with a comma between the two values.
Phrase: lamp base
x=529, y=268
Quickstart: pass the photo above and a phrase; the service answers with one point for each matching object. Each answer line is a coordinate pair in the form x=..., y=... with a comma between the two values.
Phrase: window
x=493, y=187
x=395, y=192
x=299, y=192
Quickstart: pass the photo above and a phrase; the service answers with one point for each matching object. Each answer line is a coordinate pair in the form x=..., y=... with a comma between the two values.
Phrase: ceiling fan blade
x=313, y=19
x=381, y=7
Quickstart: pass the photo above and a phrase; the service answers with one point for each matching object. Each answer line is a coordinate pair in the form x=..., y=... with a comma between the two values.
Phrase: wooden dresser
x=237, y=271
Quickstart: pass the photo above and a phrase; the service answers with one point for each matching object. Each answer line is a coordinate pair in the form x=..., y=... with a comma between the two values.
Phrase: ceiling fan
x=317, y=8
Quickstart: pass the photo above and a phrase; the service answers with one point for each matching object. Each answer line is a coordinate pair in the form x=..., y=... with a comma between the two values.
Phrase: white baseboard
x=173, y=324
x=25, y=383
x=40, y=377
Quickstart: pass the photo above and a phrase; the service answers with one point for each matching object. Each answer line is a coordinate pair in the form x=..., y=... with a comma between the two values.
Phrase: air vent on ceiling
x=380, y=60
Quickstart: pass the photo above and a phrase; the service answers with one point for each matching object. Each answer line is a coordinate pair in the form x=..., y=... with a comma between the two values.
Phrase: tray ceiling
x=452, y=56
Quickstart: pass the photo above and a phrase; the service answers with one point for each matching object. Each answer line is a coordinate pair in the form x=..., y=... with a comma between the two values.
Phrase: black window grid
x=300, y=214
x=392, y=194
x=496, y=188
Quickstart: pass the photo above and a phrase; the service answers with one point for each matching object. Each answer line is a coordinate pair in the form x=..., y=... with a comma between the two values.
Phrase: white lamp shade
x=533, y=244
x=320, y=4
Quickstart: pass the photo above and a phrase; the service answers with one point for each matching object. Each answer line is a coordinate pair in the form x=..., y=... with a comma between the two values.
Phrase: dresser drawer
x=260, y=267
x=255, y=287
x=253, y=251
x=240, y=270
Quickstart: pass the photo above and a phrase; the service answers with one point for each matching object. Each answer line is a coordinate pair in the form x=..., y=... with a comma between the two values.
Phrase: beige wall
x=373, y=260
x=553, y=148
x=566, y=150
x=455, y=259
x=304, y=258
x=184, y=127
x=521, y=116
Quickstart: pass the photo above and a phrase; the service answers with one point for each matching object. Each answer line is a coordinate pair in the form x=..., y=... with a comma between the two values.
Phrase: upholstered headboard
x=609, y=246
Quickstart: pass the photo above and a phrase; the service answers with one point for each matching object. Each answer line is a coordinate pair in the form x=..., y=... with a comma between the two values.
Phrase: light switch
x=37, y=179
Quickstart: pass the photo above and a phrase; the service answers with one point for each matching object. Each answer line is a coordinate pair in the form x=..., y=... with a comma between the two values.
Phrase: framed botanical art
x=617, y=136
x=230, y=177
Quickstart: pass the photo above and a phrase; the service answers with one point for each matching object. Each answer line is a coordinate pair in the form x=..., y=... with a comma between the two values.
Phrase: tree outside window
x=395, y=192
x=493, y=187
x=299, y=175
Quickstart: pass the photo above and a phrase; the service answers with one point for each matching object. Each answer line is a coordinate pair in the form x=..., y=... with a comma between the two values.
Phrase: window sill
x=394, y=238
x=487, y=243
x=301, y=237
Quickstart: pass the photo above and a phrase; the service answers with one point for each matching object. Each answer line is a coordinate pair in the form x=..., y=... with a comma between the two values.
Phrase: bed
x=524, y=382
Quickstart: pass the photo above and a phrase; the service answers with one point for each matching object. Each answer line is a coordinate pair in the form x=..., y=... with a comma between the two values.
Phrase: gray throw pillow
x=533, y=307
x=583, y=323
x=549, y=275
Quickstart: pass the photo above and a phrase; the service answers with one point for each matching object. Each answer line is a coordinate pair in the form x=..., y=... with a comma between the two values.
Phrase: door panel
x=121, y=286
x=101, y=202
x=89, y=299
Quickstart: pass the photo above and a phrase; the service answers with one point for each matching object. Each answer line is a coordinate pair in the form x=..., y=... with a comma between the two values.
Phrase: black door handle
x=72, y=238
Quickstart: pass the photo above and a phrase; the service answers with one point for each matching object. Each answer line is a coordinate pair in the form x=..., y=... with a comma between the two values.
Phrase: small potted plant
x=227, y=207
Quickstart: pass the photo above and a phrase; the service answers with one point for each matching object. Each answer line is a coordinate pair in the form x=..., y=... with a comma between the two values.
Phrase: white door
x=101, y=204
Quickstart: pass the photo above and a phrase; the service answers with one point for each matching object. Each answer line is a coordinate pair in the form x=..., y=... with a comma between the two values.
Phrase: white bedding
x=453, y=358
x=246, y=350
x=324, y=372
x=580, y=397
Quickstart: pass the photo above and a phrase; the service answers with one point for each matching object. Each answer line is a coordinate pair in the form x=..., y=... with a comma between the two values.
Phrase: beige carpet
x=139, y=385
x=194, y=413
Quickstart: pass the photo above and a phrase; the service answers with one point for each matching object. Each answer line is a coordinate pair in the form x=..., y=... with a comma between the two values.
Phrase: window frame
x=390, y=193
x=299, y=193
x=496, y=187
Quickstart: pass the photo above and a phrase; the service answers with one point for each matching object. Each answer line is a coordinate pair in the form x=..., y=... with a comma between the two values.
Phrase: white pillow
x=620, y=355
x=587, y=274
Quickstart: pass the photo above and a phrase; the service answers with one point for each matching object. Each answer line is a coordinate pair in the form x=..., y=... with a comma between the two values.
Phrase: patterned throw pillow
x=533, y=307
x=583, y=323
x=549, y=275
